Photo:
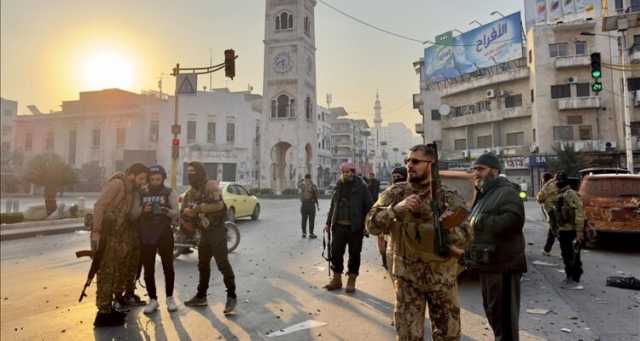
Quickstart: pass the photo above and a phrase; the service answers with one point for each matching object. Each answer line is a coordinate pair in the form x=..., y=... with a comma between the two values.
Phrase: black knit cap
x=488, y=160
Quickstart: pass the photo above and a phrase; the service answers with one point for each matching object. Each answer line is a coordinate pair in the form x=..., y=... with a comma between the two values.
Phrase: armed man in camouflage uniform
x=110, y=225
x=421, y=276
x=569, y=214
x=547, y=196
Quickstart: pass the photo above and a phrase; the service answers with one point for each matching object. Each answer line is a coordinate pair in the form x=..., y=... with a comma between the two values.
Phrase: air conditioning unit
x=501, y=93
x=491, y=93
x=572, y=79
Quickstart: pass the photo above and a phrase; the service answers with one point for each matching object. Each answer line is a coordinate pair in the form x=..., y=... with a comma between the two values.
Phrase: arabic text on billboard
x=491, y=44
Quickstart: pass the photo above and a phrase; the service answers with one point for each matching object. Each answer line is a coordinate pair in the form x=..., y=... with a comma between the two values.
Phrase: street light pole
x=176, y=132
x=627, y=114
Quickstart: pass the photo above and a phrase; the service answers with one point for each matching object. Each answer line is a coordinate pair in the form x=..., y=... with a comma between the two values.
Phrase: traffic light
x=230, y=63
x=175, y=148
x=596, y=72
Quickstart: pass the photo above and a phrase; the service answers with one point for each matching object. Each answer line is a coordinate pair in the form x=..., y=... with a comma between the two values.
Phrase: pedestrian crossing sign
x=187, y=84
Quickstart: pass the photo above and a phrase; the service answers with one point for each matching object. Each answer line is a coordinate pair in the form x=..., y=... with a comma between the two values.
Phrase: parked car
x=240, y=202
x=611, y=203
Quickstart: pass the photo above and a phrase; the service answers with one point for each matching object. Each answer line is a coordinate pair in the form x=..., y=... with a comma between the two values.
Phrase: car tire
x=231, y=215
x=256, y=213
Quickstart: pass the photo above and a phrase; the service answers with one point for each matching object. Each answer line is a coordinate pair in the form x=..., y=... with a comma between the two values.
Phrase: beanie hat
x=345, y=166
x=488, y=160
x=157, y=169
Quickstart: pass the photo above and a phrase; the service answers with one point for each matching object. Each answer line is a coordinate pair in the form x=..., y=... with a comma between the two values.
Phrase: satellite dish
x=444, y=109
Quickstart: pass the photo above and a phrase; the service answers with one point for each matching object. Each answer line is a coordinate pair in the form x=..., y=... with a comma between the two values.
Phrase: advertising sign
x=491, y=44
x=551, y=11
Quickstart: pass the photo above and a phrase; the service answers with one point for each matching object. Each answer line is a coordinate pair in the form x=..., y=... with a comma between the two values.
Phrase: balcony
x=485, y=117
x=574, y=103
x=587, y=145
x=586, y=24
x=572, y=61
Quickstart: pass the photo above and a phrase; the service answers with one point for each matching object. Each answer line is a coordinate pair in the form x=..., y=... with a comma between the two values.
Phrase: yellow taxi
x=240, y=203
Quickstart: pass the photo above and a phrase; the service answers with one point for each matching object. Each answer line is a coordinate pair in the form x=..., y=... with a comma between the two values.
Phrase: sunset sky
x=51, y=50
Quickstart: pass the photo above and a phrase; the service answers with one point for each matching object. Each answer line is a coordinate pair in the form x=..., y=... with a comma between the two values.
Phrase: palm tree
x=49, y=171
x=568, y=161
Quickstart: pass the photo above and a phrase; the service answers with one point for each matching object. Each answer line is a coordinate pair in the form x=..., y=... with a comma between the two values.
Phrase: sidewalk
x=44, y=227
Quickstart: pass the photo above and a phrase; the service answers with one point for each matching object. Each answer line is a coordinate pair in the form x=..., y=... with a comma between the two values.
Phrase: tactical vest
x=155, y=223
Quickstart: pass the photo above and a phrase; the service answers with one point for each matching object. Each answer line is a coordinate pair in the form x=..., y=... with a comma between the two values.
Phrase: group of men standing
x=133, y=219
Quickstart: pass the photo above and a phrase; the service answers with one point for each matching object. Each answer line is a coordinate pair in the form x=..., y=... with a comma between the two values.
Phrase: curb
x=41, y=223
x=38, y=231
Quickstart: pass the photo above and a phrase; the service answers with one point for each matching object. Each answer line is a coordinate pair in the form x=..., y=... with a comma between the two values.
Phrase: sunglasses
x=416, y=161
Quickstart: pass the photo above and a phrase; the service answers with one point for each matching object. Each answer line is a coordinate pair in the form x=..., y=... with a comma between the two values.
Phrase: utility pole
x=627, y=114
x=229, y=66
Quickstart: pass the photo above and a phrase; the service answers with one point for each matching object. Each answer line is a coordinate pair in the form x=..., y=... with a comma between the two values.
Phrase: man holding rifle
x=424, y=267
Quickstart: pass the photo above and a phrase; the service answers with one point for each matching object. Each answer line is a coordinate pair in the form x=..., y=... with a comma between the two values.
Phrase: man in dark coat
x=498, y=250
x=349, y=207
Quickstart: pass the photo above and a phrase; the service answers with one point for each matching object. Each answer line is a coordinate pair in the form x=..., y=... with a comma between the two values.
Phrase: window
x=560, y=91
x=283, y=106
x=585, y=133
x=635, y=128
x=307, y=26
x=73, y=139
x=229, y=172
x=530, y=56
x=574, y=119
x=636, y=41
x=284, y=21
x=211, y=132
x=635, y=5
x=484, y=141
x=562, y=133
x=154, y=131
x=95, y=138
x=120, y=136
x=460, y=144
x=534, y=135
x=28, y=142
x=581, y=48
x=513, y=101
x=50, y=140
x=191, y=131
x=532, y=96
x=231, y=132
x=583, y=89
x=620, y=5
x=558, y=50
x=308, y=108
x=435, y=115
x=515, y=139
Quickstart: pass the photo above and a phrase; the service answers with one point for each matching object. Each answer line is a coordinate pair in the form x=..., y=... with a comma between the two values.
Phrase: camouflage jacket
x=114, y=203
x=572, y=208
x=547, y=195
x=414, y=259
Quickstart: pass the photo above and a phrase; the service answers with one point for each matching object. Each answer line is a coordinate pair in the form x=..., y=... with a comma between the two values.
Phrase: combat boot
x=351, y=284
x=335, y=283
x=110, y=319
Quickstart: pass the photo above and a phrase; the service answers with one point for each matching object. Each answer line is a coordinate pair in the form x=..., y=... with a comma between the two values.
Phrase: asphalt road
x=279, y=278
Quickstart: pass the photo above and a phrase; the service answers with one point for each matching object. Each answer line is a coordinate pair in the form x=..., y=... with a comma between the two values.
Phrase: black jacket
x=361, y=203
x=497, y=218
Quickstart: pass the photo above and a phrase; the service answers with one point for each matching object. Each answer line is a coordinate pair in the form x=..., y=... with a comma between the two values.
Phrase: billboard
x=551, y=11
x=494, y=43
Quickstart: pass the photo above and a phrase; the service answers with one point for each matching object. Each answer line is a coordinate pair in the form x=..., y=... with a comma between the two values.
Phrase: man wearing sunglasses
x=498, y=249
x=421, y=276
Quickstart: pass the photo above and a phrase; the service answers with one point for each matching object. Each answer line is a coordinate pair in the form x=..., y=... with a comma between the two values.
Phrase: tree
x=568, y=161
x=50, y=172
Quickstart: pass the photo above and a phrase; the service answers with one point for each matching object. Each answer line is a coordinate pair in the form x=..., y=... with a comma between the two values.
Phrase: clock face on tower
x=282, y=62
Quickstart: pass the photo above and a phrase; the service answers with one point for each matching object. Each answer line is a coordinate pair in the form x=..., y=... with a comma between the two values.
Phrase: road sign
x=187, y=84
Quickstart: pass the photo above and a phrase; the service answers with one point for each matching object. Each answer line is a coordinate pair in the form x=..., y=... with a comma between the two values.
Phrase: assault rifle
x=442, y=245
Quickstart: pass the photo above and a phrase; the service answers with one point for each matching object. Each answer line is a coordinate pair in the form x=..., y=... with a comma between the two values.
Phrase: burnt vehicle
x=611, y=204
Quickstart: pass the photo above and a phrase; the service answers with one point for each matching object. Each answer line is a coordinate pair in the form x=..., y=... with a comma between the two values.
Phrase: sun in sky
x=108, y=69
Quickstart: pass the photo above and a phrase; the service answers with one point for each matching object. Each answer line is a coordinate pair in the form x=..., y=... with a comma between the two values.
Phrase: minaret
x=377, y=121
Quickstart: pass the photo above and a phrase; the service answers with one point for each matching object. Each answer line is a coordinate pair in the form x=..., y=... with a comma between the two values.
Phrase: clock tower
x=289, y=94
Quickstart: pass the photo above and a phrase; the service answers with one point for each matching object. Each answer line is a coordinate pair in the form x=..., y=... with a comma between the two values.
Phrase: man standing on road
x=498, y=249
x=309, y=203
x=205, y=198
x=569, y=215
x=374, y=186
x=160, y=207
x=345, y=222
x=422, y=277
x=546, y=197
x=111, y=223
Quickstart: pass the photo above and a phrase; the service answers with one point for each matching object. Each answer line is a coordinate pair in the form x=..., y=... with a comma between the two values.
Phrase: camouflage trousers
x=444, y=312
x=119, y=267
